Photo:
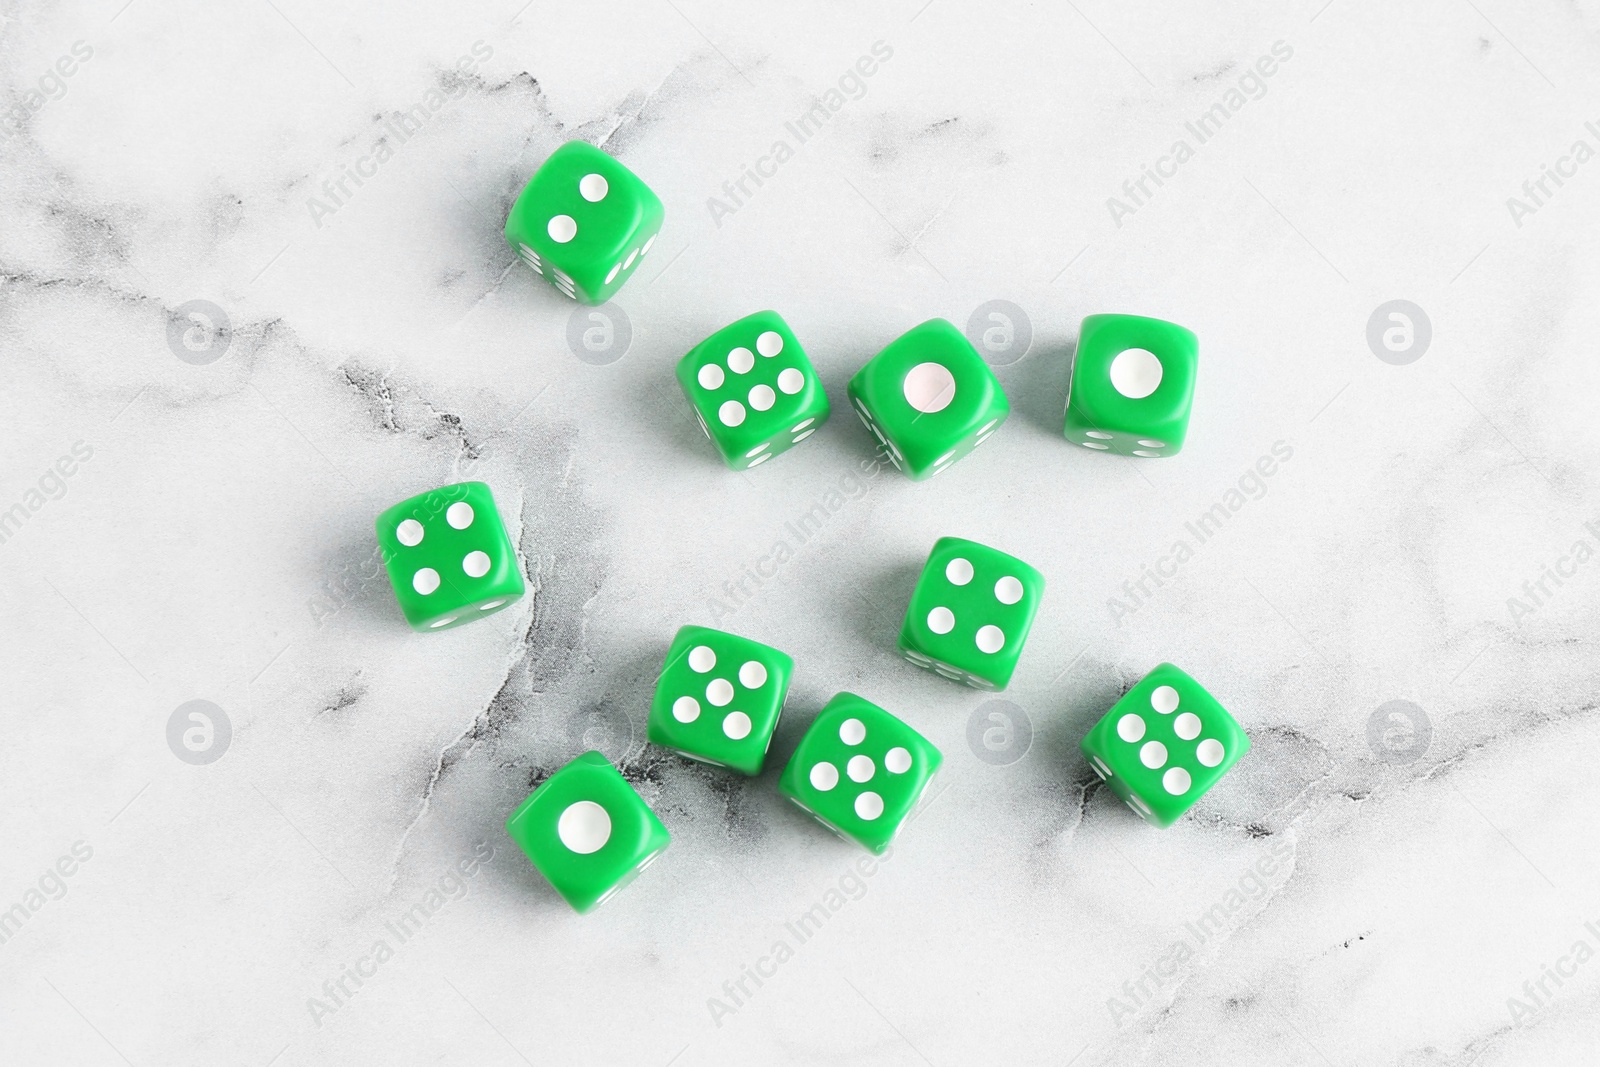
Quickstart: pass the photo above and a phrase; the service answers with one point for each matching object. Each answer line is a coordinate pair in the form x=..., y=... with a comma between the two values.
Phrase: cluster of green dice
x=583, y=222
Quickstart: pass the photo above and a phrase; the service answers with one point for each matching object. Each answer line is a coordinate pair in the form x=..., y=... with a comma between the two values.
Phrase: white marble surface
x=396, y=346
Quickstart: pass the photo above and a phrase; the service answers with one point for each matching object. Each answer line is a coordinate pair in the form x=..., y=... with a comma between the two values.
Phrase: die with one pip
x=587, y=831
x=929, y=398
x=1132, y=386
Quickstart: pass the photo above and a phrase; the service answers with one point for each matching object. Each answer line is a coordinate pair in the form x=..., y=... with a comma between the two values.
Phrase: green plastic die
x=587, y=831
x=719, y=698
x=929, y=398
x=970, y=613
x=1164, y=744
x=448, y=555
x=584, y=221
x=1132, y=386
x=860, y=771
x=754, y=391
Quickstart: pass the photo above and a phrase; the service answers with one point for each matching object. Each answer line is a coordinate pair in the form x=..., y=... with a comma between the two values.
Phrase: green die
x=448, y=555
x=929, y=398
x=1164, y=744
x=1132, y=386
x=583, y=221
x=970, y=613
x=753, y=389
x=859, y=771
x=719, y=698
x=587, y=831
